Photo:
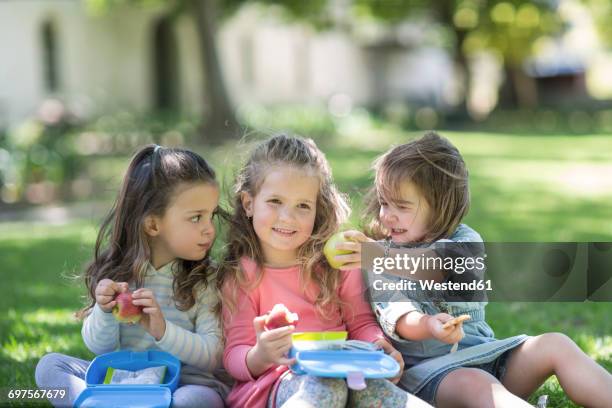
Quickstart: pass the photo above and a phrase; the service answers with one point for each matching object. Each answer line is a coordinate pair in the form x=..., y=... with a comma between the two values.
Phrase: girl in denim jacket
x=420, y=197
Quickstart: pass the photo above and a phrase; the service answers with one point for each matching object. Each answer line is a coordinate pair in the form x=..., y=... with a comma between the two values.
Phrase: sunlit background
x=523, y=88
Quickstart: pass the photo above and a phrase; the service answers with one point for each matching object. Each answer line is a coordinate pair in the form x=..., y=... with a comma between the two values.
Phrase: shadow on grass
x=36, y=273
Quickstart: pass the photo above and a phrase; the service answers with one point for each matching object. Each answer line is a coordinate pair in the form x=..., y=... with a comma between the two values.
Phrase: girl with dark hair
x=155, y=242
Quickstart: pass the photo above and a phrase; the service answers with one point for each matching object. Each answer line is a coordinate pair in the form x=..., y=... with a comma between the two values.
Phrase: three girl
x=155, y=242
x=419, y=199
x=157, y=237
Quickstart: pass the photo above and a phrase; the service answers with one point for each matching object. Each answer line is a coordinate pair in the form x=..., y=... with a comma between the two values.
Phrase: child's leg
x=56, y=370
x=195, y=396
x=383, y=393
x=473, y=387
x=306, y=391
x=583, y=380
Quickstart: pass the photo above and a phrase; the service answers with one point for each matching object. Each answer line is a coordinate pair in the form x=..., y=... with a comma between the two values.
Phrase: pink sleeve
x=357, y=313
x=239, y=336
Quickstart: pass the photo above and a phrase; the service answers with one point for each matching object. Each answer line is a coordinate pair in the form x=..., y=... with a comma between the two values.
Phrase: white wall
x=105, y=62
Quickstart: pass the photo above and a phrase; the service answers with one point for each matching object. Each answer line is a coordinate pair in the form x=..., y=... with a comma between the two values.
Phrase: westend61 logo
x=493, y=271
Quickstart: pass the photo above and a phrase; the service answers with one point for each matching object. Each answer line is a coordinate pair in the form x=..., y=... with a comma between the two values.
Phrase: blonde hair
x=438, y=171
x=331, y=211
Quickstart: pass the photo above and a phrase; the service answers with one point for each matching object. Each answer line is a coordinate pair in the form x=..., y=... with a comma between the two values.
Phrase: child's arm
x=202, y=348
x=353, y=242
x=270, y=349
x=100, y=330
x=406, y=320
x=248, y=352
x=465, y=242
x=418, y=326
x=361, y=322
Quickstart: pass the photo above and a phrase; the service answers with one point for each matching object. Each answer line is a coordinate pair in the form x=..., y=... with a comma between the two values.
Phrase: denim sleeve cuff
x=389, y=314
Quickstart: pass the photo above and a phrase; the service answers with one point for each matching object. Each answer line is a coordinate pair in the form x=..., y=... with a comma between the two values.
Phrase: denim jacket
x=424, y=359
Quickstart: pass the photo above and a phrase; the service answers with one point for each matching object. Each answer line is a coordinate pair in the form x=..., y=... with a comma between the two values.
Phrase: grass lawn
x=524, y=188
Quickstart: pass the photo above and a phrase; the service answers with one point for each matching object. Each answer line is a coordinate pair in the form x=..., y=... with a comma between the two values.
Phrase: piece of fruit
x=125, y=311
x=279, y=316
x=330, y=250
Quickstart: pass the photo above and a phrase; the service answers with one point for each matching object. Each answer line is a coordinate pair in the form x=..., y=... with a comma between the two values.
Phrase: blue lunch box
x=98, y=394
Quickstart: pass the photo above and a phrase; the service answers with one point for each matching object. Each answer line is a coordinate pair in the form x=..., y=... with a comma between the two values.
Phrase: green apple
x=330, y=250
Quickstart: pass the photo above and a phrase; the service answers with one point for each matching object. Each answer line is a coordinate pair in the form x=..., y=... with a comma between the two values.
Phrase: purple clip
x=355, y=380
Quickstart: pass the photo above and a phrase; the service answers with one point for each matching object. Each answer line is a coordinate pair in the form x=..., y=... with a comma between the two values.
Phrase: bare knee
x=469, y=387
x=556, y=347
x=475, y=379
x=557, y=340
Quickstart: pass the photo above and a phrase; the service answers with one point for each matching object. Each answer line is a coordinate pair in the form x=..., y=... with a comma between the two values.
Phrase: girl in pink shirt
x=285, y=207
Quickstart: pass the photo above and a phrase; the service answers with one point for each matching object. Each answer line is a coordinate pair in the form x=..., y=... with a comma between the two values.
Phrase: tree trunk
x=461, y=63
x=518, y=89
x=220, y=121
x=445, y=10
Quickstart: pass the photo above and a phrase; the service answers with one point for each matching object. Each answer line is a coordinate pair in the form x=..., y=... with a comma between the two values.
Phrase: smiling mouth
x=284, y=232
x=398, y=230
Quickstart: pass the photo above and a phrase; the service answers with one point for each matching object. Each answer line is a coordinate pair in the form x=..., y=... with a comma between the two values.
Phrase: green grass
x=524, y=188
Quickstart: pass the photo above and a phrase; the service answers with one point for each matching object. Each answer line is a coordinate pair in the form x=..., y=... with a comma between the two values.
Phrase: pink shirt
x=283, y=286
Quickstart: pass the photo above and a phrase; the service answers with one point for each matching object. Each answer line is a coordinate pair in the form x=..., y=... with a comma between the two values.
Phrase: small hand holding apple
x=152, y=320
x=273, y=331
x=279, y=316
x=106, y=292
x=343, y=249
x=392, y=352
x=451, y=334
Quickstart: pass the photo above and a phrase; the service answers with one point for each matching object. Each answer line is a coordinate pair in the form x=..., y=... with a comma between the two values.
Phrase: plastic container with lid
x=98, y=394
x=328, y=354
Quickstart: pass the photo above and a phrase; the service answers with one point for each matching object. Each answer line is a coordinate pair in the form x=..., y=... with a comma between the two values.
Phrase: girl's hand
x=271, y=347
x=391, y=351
x=352, y=242
x=105, y=292
x=152, y=319
x=450, y=335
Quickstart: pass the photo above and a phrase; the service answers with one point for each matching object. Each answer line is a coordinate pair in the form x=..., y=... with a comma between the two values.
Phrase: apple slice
x=279, y=316
x=125, y=311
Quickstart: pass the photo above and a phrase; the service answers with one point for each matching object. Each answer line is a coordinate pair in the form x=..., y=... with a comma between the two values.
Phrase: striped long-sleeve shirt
x=193, y=336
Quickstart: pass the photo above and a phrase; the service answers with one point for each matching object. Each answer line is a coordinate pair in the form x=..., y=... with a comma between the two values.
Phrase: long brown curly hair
x=331, y=211
x=438, y=171
x=122, y=252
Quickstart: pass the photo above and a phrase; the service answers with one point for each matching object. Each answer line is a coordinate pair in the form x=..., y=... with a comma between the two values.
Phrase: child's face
x=283, y=212
x=186, y=230
x=406, y=219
